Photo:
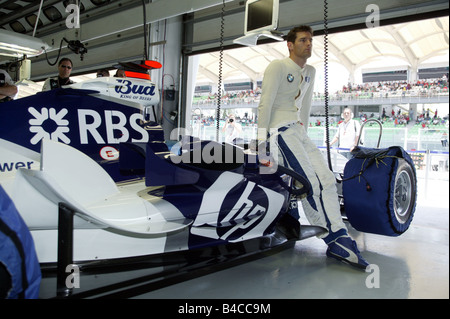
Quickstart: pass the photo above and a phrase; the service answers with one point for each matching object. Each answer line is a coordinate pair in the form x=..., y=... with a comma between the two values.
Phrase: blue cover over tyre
x=379, y=190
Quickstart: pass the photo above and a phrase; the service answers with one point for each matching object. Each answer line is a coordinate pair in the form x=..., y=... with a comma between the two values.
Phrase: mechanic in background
x=348, y=132
x=103, y=73
x=7, y=88
x=120, y=74
x=65, y=67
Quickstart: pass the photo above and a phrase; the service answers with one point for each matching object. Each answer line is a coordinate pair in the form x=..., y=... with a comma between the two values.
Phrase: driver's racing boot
x=344, y=249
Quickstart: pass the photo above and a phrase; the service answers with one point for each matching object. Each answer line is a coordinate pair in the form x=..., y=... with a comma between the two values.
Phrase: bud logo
x=44, y=122
x=127, y=88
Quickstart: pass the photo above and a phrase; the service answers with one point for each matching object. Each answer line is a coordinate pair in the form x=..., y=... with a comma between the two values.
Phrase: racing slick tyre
x=380, y=192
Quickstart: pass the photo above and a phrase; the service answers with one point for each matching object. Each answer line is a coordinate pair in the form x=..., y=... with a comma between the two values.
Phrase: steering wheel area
x=297, y=191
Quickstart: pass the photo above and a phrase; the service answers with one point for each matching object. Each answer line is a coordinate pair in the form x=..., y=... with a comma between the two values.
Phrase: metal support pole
x=65, y=248
x=427, y=171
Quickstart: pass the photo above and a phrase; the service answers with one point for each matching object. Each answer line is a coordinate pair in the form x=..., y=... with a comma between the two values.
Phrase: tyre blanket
x=369, y=190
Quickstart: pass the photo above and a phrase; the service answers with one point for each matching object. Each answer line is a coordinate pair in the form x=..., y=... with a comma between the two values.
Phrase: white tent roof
x=411, y=45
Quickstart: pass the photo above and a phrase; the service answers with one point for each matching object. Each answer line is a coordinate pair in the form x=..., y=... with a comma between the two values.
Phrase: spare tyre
x=380, y=191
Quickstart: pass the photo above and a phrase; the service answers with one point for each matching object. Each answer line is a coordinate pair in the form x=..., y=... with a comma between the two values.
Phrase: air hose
x=219, y=85
x=325, y=60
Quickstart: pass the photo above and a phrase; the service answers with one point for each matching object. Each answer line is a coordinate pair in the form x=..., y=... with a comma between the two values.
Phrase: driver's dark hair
x=292, y=35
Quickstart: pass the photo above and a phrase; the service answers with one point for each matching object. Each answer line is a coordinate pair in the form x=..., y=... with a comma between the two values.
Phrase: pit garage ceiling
x=111, y=30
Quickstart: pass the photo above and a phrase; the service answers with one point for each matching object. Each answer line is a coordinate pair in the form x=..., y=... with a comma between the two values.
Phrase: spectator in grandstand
x=348, y=133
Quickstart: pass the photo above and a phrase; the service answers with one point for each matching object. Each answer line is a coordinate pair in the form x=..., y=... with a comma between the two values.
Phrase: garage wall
x=112, y=33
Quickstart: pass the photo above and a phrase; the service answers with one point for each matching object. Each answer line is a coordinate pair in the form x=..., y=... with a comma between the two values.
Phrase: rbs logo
x=90, y=122
x=90, y=126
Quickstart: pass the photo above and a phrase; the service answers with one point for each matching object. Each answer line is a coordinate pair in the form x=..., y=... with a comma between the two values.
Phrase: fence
x=341, y=99
x=427, y=146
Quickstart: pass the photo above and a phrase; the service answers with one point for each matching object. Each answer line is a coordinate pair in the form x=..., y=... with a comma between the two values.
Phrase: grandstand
x=369, y=99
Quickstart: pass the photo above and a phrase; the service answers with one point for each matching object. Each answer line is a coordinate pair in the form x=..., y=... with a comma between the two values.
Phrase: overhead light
x=13, y=44
x=14, y=50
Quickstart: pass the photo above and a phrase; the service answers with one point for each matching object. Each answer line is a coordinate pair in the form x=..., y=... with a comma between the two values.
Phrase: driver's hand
x=265, y=162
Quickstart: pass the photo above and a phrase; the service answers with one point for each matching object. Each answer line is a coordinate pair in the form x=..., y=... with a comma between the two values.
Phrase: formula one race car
x=90, y=173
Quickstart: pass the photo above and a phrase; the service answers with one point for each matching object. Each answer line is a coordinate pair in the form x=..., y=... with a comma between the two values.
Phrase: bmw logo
x=290, y=78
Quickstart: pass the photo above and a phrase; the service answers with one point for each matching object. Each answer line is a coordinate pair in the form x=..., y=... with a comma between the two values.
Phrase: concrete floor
x=414, y=265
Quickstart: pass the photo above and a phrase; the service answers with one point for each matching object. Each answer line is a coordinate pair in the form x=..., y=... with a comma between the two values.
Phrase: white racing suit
x=285, y=86
x=297, y=152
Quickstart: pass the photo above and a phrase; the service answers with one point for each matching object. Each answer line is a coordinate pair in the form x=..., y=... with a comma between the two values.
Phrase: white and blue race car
x=97, y=184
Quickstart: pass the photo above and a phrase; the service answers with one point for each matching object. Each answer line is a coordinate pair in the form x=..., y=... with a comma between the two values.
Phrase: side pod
x=70, y=177
x=159, y=170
